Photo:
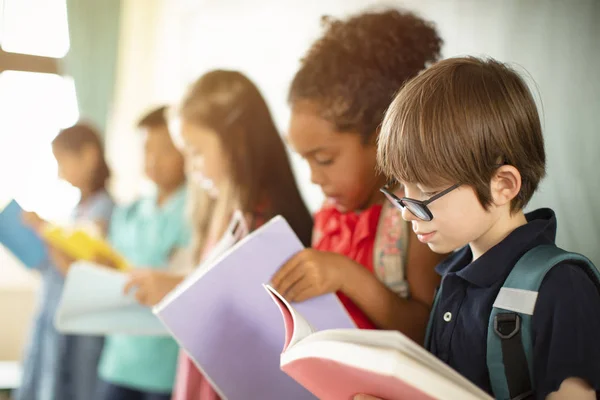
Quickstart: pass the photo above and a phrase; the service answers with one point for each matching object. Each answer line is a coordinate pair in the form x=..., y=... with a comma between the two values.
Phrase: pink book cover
x=327, y=371
x=330, y=380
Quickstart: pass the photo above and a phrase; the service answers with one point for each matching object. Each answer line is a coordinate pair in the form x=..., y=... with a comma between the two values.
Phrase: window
x=35, y=103
x=35, y=27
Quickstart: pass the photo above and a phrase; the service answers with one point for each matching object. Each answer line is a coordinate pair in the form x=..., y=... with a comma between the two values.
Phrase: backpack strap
x=509, y=343
x=390, y=250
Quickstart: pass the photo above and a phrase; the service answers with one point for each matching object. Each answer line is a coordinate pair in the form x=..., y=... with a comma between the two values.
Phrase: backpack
x=509, y=344
x=390, y=250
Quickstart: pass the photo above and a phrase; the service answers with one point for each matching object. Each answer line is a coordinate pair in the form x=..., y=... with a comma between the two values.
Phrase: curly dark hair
x=355, y=69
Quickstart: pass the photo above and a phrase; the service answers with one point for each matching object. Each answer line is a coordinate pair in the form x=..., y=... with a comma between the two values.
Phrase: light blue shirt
x=147, y=235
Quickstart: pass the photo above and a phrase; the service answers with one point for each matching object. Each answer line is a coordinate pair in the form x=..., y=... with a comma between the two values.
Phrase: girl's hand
x=151, y=285
x=311, y=273
x=60, y=260
x=365, y=397
x=105, y=261
x=33, y=220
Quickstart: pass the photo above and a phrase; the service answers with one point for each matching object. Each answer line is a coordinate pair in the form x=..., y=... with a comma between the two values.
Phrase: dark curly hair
x=354, y=71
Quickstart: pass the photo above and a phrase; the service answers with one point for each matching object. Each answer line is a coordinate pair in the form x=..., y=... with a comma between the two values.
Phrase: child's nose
x=316, y=177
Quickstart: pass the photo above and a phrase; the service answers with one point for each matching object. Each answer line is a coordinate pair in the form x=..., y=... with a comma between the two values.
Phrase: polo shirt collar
x=497, y=262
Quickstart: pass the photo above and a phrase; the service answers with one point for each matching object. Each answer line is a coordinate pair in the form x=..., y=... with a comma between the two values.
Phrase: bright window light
x=37, y=27
x=33, y=108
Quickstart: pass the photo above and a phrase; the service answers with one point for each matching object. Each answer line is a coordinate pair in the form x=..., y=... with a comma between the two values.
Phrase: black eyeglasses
x=417, y=207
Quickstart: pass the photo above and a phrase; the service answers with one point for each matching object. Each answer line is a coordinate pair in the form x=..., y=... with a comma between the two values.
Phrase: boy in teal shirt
x=148, y=233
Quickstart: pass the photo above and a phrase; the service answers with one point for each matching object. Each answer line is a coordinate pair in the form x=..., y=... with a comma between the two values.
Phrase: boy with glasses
x=464, y=139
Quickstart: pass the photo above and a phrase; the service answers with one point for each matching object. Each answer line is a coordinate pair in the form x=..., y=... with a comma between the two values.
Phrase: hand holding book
x=151, y=286
x=32, y=220
x=93, y=303
x=310, y=273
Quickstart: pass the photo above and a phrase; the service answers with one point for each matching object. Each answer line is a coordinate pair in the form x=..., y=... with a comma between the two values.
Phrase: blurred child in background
x=148, y=233
x=60, y=366
x=237, y=156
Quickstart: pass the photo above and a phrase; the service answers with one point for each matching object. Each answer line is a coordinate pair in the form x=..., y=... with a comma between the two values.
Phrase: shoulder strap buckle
x=507, y=325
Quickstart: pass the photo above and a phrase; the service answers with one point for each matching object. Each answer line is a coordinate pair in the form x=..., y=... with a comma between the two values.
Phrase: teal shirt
x=147, y=235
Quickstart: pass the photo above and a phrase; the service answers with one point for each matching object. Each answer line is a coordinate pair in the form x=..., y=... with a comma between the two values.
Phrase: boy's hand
x=152, y=286
x=311, y=273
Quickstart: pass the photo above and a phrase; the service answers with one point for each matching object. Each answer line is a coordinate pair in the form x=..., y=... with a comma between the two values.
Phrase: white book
x=93, y=303
x=339, y=363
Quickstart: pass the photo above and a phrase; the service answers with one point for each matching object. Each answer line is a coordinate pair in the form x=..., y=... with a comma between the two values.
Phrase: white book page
x=389, y=362
x=388, y=341
x=93, y=302
x=93, y=287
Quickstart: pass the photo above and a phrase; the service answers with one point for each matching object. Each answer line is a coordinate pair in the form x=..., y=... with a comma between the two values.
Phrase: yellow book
x=80, y=245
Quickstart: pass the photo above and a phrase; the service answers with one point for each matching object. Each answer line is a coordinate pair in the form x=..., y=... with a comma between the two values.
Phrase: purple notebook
x=228, y=324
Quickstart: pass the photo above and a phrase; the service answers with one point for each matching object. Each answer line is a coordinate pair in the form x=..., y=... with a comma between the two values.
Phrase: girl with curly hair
x=362, y=250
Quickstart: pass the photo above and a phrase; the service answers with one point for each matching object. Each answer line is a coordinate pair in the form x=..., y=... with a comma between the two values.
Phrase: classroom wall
x=164, y=44
x=554, y=41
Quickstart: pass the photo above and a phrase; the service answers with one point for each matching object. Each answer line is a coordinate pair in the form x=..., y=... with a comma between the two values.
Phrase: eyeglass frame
x=400, y=202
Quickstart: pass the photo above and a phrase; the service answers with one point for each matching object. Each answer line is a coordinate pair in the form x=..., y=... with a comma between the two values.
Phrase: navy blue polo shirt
x=565, y=324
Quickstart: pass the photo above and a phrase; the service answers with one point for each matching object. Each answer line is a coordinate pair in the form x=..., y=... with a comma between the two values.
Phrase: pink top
x=190, y=384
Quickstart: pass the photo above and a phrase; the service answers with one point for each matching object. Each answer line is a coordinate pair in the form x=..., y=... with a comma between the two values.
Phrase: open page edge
x=298, y=328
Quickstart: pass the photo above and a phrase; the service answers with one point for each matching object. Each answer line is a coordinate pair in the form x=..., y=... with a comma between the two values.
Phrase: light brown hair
x=457, y=121
x=78, y=136
x=154, y=119
x=262, y=181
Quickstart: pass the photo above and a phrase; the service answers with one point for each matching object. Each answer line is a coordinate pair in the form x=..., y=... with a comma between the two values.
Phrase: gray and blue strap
x=509, y=343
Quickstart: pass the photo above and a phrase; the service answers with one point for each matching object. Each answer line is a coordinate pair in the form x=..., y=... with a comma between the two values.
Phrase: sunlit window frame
x=23, y=62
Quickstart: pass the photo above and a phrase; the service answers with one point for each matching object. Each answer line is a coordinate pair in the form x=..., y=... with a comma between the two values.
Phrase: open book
x=80, y=244
x=236, y=230
x=340, y=363
x=20, y=239
x=221, y=317
x=93, y=303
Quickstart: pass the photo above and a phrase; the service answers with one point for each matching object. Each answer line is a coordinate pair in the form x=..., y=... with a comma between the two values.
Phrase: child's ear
x=505, y=185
